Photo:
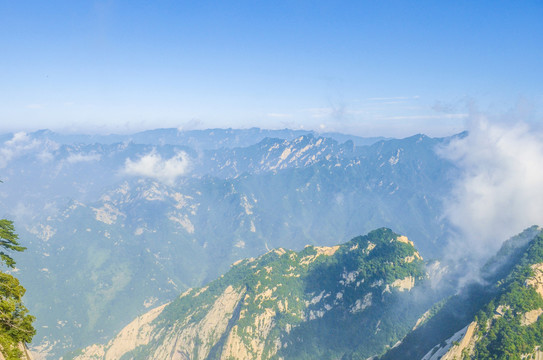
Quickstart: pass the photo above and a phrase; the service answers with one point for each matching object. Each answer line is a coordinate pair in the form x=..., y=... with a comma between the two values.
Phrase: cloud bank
x=22, y=144
x=499, y=191
x=153, y=166
x=18, y=145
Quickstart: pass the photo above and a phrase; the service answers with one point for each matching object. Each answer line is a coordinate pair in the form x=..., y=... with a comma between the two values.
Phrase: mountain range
x=368, y=298
x=117, y=225
x=284, y=304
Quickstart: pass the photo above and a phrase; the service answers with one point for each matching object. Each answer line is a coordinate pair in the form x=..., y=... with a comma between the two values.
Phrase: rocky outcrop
x=452, y=348
x=536, y=281
x=500, y=317
x=262, y=306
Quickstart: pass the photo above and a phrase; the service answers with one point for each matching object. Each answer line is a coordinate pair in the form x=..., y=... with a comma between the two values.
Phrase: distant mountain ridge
x=209, y=139
x=352, y=301
x=127, y=226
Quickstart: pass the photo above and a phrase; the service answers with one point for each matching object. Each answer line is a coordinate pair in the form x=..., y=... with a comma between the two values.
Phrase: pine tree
x=8, y=241
x=15, y=322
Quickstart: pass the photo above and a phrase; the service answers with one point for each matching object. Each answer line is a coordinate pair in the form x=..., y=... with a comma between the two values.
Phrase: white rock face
x=248, y=319
x=463, y=337
x=184, y=221
x=536, y=281
x=362, y=304
x=203, y=334
x=107, y=214
x=180, y=340
x=404, y=239
x=530, y=317
x=43, y=232
x=138, y=332
x=236, y=348
x=404, y=284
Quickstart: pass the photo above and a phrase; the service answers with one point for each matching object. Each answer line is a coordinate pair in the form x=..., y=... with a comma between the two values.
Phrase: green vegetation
x=376, y=262
x=8, y=241
x=505, y=336
x=15, y=322
x=350, y=301
x=498, y=307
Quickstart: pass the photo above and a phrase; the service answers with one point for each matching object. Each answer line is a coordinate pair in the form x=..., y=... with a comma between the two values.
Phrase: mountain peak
x=262, y=307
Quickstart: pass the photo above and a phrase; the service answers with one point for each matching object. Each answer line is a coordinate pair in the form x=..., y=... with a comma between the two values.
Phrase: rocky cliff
x=498, y=317
x=343, y=300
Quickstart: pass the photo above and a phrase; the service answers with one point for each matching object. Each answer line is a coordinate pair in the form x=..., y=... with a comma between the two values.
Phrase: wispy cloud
x=279, y=115
x=22, y=144
x=394, y=98
x=34, y=106
x=19, y=144
x=427, y=117
x=153, y=166
x=190, y=125
x=319, y=112
x=498, y=192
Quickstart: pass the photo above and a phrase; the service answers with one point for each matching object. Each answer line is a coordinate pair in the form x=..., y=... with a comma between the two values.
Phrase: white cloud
x=19, y=144
x=22, y=144
x=154, y=166
x=499, y=191
x=190, y=125
x=18, y=138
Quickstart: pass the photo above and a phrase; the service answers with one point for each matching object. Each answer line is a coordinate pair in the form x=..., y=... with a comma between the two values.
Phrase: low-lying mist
x=498, y=191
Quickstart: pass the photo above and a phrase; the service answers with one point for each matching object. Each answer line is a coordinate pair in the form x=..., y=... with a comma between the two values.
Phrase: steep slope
x=496, y=320
x=322, y=302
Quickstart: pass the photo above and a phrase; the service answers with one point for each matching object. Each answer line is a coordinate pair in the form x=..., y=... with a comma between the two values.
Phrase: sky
x=370, y=68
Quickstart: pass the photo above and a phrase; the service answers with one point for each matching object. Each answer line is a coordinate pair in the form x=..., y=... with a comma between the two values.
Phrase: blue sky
x=390, y=68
